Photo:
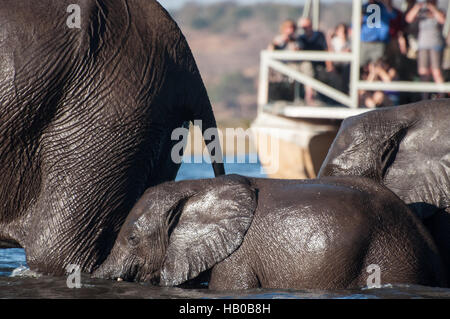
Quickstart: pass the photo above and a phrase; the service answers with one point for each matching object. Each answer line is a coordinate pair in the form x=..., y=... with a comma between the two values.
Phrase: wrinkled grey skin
x=406, y=148
x=320, y=234
x=86, y=117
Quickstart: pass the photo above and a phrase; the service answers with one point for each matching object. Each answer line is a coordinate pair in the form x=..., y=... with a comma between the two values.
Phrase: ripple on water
x=56, y=287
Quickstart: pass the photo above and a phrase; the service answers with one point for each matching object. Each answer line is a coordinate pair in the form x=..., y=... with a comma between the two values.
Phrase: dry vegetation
x=226, y=40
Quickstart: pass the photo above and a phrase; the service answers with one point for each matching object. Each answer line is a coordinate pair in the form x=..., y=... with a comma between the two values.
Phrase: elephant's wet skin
x=320, y=234
x=86, y=118
x=407, y=149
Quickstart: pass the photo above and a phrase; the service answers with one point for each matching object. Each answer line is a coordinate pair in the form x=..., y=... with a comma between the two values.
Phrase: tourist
x=430, y=40
x=375, y=38
x=315, y=41
x=339, y=42
x=287, y=39
x=381, y=71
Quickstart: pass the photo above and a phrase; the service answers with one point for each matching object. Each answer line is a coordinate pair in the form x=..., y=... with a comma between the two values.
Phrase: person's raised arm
x=372, y=76
x=278, y=42
x=437, y=14
x=412, y=14
x=386, y=76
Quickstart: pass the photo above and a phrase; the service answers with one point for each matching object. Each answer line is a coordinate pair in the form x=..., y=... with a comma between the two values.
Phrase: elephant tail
x=198, y=106
x=212, y=141
x=202, y=113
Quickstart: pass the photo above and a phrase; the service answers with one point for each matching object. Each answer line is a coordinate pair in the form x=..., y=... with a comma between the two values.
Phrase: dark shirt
x=316, y=42
x=397, y=25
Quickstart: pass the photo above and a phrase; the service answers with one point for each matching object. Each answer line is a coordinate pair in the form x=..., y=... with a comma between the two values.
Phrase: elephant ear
x=212, y=225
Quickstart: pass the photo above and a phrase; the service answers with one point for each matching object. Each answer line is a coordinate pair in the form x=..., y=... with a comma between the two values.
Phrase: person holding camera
x=287, y=39
x=430, y=40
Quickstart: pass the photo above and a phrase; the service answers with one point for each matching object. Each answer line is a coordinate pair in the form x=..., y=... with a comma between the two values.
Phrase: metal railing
x=275, y=60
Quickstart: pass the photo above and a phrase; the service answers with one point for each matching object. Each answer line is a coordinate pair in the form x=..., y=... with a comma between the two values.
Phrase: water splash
x=24, y=272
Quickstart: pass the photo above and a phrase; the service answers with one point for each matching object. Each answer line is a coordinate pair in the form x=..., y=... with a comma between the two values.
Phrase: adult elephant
x=319, y=234
x=406, y=148
x=86, y=118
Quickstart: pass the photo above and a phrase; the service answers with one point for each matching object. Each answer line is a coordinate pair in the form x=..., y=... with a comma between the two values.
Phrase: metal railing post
x=316, y=14
x=306, y=9
x=263, y=89
x=356, y=51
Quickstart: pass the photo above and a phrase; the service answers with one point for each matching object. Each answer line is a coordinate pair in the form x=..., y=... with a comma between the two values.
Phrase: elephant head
x=180, y=229
x=406, y=148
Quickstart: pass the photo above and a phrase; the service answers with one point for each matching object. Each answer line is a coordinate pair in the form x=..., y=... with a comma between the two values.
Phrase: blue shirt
x=374, y=33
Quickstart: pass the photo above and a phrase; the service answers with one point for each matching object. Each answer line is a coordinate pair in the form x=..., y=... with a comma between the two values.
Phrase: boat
x=292, y=138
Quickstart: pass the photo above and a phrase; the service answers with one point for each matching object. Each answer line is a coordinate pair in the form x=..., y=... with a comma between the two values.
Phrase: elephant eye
x=133, y=240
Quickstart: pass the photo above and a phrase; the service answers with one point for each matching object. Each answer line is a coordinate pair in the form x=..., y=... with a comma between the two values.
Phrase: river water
x=17, y=281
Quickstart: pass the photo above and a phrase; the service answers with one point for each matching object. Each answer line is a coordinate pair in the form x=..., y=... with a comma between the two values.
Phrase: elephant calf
x=320, y=234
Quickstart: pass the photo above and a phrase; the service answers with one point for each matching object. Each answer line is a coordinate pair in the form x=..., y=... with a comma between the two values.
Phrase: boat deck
x=312, y=112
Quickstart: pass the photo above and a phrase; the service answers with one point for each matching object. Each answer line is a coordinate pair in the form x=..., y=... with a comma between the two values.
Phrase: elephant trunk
x=118, y=266
x=107, y=270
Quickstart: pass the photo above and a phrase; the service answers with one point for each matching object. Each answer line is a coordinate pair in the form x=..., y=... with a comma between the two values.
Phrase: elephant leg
x=233, y=274
x=85, y=194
